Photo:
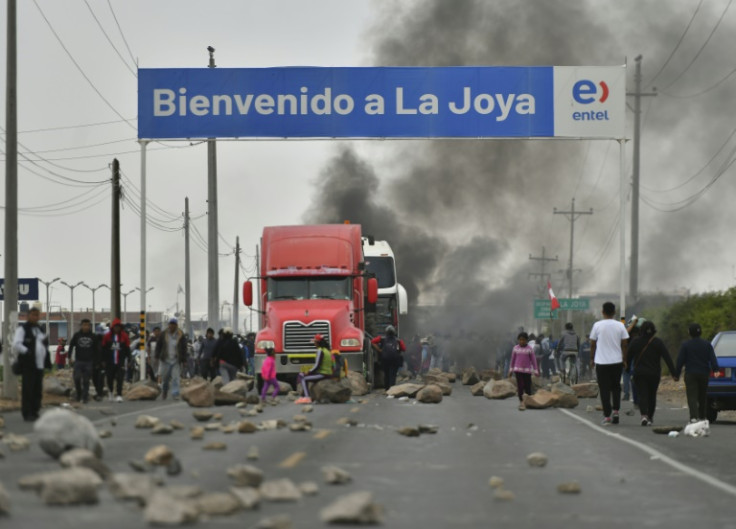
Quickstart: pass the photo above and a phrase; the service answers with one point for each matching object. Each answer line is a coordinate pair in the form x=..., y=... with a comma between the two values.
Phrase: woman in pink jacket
x=268, y=374
x=523, y=364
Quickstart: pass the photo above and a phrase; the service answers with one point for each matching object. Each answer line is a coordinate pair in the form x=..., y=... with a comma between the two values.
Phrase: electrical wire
x=79, y=68
x=718, y=23
x=99, y=25
x=149, y=221
x=703, y=91
x=67, y=127
x=695, y=175
x=582, y=169
x=677, y=46
x=122, y=35
x=89, y=146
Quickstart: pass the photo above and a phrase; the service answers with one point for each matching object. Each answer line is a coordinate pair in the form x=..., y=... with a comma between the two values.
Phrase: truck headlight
x=265, y=344
x=349, y=342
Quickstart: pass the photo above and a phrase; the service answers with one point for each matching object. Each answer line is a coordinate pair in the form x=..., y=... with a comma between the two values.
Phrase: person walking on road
x=645, y=355
x=116, y=350
x=31, y=346
x=229, y=355
x=61, y=355
x=84, y=350
x=585, y=358
x=699, y=359
x=389, y=348
x=567, y=346
x=523, y=364
x=321, y=369
x=268, y=374
x=171, y=353
x=206, y=355
x=608, y=343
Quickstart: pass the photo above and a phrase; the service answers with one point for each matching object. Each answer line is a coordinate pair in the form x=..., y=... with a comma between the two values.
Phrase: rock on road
x=434, y=480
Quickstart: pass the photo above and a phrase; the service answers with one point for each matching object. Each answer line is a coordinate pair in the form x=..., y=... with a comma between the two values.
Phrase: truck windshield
x=309, y=288
x=383, y=268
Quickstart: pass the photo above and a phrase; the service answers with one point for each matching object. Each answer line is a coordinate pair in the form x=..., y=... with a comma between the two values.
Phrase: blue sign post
x=27, y=289
x=402, y=102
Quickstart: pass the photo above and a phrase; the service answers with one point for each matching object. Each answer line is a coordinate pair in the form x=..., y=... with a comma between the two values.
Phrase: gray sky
x=267, y=183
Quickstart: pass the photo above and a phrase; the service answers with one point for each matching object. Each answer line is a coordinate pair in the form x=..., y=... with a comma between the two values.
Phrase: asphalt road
x=432, y=481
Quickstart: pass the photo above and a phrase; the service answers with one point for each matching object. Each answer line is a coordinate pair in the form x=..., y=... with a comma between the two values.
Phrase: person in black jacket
x=229, y=355
x=699, y=359
x=32, y=347
x=84, y=350
x=645, y=354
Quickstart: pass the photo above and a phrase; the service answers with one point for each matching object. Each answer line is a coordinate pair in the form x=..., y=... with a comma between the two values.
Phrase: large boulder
x=227, y=399
x=238, y=387
x=285, y=388
x=477, y=389
x=588, y=390
x=358, y=384
x=567, y=401
x=64, y=487
x=445, y=387
x=435, y=378
x=431, y=394
x=330, y=390
x=55, y=386
x=558, y=388
x=541, y=399
x=404, y=390
x=470, y=376
x=60, y=430
x=199, y=394
x=499, y=389
x=147, y=390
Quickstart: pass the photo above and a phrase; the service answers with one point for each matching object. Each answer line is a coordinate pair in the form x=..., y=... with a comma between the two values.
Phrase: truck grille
x=300, y=337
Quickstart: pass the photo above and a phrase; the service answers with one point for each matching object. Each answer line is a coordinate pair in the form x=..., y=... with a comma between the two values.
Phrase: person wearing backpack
x=321, y=369
x=389, y=348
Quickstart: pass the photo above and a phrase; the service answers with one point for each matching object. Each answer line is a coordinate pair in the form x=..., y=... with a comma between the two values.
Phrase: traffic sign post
x=542, y=307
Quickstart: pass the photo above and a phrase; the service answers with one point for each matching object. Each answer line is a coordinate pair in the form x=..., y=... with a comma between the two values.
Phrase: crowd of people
x=622, y=358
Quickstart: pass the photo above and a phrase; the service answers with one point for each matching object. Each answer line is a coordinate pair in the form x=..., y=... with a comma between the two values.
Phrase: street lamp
x=70, y=332
x=125, y=302
x=48, y=310
x=93, y=290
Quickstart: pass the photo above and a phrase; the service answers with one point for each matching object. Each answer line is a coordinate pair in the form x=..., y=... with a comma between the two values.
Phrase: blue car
x=722, y=385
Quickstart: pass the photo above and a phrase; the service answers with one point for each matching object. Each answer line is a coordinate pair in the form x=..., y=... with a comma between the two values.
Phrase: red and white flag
x=553, y=303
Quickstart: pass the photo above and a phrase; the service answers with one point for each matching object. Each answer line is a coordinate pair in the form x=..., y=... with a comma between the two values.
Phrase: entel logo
x=585, y=92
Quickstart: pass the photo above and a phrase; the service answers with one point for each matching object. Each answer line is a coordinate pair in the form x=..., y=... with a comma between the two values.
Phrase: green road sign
x=542, y=306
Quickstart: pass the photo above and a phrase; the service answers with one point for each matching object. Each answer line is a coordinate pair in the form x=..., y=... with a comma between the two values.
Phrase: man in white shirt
x=31, y=346
x=608, y=343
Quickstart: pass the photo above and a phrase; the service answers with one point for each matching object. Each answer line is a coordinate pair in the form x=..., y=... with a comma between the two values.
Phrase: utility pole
x=213, y=279
x=236, y=303
x=10, y=306
x=187, y=272
x=258, y=288
x=542, y=275
x=634, y=271
x=572, y=216
x=115, y=272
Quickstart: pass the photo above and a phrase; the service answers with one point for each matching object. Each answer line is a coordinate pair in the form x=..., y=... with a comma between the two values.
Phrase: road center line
x=697, y=474
x=321, y=434
x=293, y=460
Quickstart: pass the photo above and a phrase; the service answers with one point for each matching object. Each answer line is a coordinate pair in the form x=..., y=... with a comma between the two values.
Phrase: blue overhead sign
x=452, y=102
x=27, y=289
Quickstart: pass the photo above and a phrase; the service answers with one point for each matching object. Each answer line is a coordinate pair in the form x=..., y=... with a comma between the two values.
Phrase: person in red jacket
x=116, y=350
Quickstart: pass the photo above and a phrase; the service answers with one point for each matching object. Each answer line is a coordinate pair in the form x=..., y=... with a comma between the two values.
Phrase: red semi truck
x=312, y=281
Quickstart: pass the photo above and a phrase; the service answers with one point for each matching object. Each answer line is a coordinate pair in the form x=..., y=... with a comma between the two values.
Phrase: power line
x=67, y=127
x=122, y=35
x=718, y=23
x=81, y=71
x=99, y=24
x=698, y=173
x=703, y=91
x=677, y=46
